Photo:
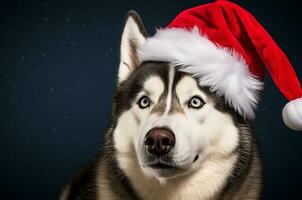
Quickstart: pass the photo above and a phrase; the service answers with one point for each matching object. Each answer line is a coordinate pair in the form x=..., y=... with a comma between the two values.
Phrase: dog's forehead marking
x=154, y=86
x=170, y=88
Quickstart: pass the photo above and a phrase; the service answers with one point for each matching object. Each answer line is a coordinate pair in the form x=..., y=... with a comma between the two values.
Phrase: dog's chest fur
x=216, y=182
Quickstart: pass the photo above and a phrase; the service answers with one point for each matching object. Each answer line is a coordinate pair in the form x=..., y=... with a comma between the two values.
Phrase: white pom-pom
x=292, y=114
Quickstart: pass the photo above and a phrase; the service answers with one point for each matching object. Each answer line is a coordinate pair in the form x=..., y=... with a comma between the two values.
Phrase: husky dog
x=170, y=138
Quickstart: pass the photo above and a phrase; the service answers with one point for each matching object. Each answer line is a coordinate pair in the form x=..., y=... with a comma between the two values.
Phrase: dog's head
x=166, y=125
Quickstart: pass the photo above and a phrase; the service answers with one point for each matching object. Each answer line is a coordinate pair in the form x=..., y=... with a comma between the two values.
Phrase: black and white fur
x=214, y=157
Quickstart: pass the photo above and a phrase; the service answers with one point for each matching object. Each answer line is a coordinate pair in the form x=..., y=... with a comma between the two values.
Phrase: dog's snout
x=159, y=141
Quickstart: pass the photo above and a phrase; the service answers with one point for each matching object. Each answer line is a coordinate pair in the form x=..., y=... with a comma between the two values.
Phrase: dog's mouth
x=167, y=168
x=160, y=165
x=164, y=170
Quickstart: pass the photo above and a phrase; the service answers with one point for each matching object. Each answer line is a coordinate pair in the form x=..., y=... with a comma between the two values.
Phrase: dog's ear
x=134, y=35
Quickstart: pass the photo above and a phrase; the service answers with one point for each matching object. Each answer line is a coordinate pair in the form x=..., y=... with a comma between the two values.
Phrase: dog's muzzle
x=159, y=141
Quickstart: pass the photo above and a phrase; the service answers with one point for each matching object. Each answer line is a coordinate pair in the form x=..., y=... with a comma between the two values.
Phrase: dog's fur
x=215, y=155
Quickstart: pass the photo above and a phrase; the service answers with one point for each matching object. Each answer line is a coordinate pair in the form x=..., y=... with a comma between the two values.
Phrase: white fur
x=207, y=132
x=221, y=69
x=155, y=86
x=203, y=184
x=130, y=34
x=125, y=136
x=292, y=114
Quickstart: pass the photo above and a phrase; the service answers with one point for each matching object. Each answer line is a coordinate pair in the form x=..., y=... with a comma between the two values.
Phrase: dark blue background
x=57, y=76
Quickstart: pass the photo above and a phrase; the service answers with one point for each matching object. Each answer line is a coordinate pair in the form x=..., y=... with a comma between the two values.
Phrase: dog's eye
x=196, y=102
x=143, y=102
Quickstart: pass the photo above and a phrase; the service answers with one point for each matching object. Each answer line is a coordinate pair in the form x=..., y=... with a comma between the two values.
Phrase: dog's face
x=166, y=123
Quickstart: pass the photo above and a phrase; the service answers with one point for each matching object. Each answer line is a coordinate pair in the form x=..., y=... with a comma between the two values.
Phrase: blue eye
x=143, y=102
x=195, y=102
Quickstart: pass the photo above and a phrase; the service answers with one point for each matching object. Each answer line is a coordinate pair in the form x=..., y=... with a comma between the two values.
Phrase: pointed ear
x=134, y=35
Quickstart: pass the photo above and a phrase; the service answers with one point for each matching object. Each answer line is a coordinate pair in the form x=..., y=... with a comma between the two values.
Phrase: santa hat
x=227, y=49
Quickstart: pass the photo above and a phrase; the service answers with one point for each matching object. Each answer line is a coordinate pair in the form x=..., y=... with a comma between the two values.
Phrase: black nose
x=159, y=141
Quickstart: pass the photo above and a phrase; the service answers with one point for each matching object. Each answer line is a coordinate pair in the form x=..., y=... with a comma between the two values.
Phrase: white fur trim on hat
x=292, y=114
x=221, y=69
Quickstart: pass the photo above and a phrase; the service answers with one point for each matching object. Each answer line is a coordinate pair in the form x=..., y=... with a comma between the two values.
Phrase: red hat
x=228, y=50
